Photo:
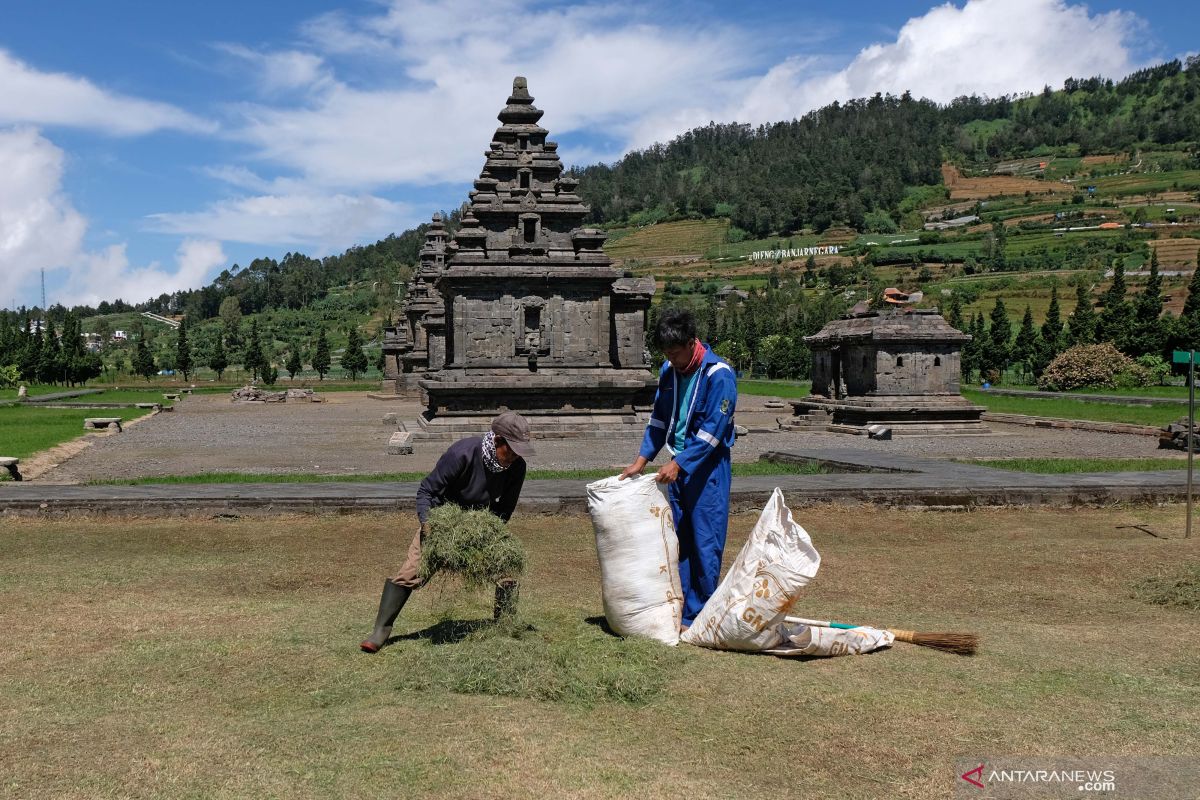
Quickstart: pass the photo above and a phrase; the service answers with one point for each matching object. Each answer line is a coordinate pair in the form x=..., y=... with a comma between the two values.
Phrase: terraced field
x=1176, y=252
x=669, y=240
x=962, y=188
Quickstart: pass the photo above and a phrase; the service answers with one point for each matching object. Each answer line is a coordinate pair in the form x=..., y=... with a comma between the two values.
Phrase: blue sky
x=146, y=146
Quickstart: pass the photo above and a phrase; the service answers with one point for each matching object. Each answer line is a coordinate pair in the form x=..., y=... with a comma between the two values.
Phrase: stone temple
x=416, y=346
x=895, y=369
x=536, y=318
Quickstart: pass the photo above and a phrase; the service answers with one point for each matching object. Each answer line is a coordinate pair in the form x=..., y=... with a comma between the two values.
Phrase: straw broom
x=963, y=644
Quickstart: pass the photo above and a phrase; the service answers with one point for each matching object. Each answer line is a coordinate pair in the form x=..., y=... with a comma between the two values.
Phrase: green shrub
x=10, y=375
x=1092, y=365
x=1159, y=370
x=475, y=545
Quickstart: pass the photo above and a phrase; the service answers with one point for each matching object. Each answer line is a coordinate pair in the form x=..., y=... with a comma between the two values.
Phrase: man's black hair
x=676, y=328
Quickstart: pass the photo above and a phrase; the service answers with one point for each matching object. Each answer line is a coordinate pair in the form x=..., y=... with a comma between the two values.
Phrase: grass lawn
x=739, y=469
x=1158, y=415
x=125, y=396
x=775, y=388
x=1060, y=466
x=153, y=658
x=33, y=390
x=1176, y=392
x=25, y=430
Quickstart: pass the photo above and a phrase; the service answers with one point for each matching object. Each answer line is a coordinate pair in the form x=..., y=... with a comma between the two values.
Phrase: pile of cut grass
x=1180, y=589
x=474, y=545
x=568, y=660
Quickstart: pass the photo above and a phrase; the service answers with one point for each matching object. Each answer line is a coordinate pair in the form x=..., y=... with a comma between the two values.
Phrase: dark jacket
x=460, y=477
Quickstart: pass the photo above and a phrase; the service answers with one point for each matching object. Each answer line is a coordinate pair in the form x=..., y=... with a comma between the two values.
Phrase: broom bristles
x=963, y=644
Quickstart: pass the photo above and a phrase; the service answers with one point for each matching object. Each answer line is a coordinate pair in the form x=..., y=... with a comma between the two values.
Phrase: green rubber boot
x=393, y=599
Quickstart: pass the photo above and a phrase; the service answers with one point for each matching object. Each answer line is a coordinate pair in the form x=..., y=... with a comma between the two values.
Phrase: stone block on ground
x=774, y=404
x=400, y=444
x=390, y=418
x=10, y=463
x=97, y=423
x=740, y=430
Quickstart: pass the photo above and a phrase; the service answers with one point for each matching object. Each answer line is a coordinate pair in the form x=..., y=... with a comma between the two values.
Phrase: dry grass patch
x=210, y=658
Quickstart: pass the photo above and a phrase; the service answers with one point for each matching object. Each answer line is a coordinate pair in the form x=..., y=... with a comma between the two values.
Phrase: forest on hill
x=864, y=162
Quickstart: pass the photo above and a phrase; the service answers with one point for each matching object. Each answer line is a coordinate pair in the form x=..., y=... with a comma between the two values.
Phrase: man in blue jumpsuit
x=693, y=419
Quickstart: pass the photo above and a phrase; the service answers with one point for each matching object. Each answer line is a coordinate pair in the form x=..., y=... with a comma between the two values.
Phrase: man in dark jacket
x=479, y=472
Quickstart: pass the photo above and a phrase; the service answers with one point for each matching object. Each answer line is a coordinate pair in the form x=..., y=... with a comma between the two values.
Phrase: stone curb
x=1068, y=424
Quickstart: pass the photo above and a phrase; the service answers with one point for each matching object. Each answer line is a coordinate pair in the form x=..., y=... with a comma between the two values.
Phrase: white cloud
x=301, y=217
x=108, y=275
x=41, y=229
x=594, y=67
x=281, y=70
x=986, y=47
x=53, y=98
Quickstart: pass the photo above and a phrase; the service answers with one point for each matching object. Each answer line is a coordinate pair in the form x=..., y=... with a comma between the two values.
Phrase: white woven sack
x=815, y=640
x=746, y=611
x=639, y=557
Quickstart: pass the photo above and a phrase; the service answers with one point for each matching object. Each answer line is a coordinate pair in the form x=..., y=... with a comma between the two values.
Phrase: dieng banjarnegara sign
x=797, y=252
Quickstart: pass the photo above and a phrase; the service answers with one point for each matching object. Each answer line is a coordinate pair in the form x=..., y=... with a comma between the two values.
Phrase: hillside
x=977, y=200
x=870, y=162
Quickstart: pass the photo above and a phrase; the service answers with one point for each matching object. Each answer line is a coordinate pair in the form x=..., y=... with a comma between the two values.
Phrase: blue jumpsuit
x=700, y=497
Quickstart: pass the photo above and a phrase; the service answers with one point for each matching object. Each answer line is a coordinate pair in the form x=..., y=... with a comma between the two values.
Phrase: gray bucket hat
x=514, y=429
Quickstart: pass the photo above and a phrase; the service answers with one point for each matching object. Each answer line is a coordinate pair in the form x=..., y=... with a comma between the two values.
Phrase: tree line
x=1135, y=325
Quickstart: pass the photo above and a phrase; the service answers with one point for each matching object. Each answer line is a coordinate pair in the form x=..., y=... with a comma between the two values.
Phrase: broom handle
x=820, y=623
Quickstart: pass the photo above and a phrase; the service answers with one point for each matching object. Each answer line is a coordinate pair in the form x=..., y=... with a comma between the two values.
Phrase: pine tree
x=1115, y=322
x=1185, y=331
x=321, y=359
x=294, y=364
x=1027, y=344
x=1082, y=322
x=49, y=365
x=1115, y=293
x=254, y=361
x=354, y=360
x=955, y=317
x=143, y=360
x=971, y=358
x=1053, y=338
x=183, y=352
x=997, y=348
x=217, y=359
x=1149, y=333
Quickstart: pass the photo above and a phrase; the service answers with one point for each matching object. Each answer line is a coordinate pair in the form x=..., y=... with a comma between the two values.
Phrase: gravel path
x=345, y=436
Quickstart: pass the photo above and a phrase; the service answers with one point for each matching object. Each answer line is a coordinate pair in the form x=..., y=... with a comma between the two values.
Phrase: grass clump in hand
x=474, y=545
x=1181, y=590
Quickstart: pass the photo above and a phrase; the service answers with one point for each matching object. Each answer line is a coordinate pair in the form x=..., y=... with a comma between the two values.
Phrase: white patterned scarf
x=489, y=453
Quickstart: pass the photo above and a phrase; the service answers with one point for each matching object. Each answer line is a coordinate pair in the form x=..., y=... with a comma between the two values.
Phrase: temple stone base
x=408, y=385
x=565, y=406
x=919, y=415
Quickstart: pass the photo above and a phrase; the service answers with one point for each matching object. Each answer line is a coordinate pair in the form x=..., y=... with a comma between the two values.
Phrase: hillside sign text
x=799, y=252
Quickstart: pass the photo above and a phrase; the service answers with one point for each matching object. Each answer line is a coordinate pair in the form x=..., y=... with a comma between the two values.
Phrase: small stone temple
x=536, y=318
x=416, y=345
x=897, y=369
